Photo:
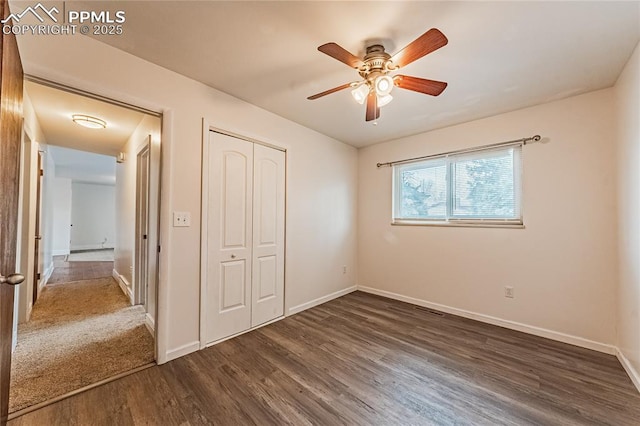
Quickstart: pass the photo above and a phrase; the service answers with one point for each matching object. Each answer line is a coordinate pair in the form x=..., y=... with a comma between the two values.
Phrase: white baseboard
x=633, y=374
x=150, y=324
x=182, y=350
x=92, y=247
x=536, y=331
x=60, y=252
x=45, y=277
x=124, y=285
x=321, y=300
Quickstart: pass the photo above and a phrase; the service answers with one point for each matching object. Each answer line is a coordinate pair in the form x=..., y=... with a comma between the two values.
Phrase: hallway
x=66, y=270
x=80, y=332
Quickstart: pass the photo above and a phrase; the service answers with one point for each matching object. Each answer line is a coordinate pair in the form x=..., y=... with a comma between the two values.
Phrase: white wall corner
x=124, y=285
x=320, y=300
x=634, y=375
x=181, y=351
x=60, y=252
x=512, y=325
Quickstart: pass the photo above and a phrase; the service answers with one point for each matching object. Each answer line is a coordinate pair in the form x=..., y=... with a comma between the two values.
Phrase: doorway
x=100, y=192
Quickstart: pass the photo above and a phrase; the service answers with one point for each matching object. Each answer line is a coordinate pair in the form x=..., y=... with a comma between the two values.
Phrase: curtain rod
x=522, y=141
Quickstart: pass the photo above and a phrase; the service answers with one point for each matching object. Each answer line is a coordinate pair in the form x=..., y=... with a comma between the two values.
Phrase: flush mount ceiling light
x=376, y=84
x=89, y=121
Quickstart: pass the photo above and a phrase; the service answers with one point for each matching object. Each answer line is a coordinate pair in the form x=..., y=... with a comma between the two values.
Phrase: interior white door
x=268, y=235
x=141, y=280
x=229, y=229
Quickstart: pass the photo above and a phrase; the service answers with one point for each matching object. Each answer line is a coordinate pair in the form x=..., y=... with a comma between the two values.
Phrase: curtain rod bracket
x=536, y=138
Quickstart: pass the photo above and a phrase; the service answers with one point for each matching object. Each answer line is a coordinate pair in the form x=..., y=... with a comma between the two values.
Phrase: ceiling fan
x=376, y=84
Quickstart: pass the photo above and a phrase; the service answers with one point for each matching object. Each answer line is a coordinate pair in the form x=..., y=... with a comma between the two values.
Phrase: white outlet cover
x=181, y=219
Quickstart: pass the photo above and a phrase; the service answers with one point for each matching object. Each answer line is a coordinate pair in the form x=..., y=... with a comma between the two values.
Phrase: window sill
x=459, y=224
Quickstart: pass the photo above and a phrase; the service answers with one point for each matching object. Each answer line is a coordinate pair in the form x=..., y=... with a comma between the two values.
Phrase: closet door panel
x=268, y=235
x=229, y=239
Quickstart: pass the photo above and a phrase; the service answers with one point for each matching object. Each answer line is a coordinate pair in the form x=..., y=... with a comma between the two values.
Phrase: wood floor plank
x=161, y=407
x=366, y=360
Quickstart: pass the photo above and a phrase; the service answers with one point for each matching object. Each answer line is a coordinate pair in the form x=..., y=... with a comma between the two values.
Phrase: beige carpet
x=79, y=333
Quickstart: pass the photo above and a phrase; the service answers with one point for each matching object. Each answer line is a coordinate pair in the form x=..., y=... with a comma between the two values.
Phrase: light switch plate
x=181, y=219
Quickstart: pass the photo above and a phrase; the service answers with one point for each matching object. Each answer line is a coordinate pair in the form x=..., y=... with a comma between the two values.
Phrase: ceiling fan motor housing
x=376, y=62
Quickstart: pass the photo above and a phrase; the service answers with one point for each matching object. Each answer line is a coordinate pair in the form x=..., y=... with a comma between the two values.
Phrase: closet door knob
x=233, y=256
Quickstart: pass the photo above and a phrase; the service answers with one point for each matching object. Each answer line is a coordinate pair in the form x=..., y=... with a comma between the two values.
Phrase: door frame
x=207, y=128
x=165, y=117
x=27, y=230
x=37, y=274
x=141, y=277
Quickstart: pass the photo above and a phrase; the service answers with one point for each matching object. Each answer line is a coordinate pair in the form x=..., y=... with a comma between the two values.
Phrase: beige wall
x=321, y=176
x=93, y=216
x=126, y=205
x=562, y=265
x=627, y=102
x=61, y=232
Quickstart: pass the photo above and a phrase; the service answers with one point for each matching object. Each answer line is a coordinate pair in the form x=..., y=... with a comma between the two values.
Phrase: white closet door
x=268, y=235
x=230, y=212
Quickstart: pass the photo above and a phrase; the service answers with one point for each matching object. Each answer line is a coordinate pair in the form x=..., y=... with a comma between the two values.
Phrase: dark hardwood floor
x=65, y=271
x=363, y=360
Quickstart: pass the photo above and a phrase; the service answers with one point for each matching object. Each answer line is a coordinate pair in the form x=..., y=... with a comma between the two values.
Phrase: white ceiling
x=55, y=107
x=81, y=166
x=501, y=56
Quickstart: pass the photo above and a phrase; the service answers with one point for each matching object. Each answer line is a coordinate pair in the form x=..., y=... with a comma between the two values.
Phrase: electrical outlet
x=508, y=292
x=344, y=269
x=181, y=219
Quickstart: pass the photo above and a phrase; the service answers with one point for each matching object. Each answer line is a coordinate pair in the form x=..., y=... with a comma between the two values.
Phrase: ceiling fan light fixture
x=89, y=121
x=360, y=93
x=384, y=100
x=376, y=65
x=383, y=85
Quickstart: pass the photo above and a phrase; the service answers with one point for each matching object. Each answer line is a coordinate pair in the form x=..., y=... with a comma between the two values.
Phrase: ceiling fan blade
x=330, y=91
x=422, y=85
x=339, y=53
x=423, y=45
x=373, y=111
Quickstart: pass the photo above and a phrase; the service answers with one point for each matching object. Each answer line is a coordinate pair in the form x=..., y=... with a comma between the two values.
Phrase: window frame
x=449, y=218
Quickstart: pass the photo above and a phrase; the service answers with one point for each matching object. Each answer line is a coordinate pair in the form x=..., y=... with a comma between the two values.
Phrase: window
x=477, y=187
